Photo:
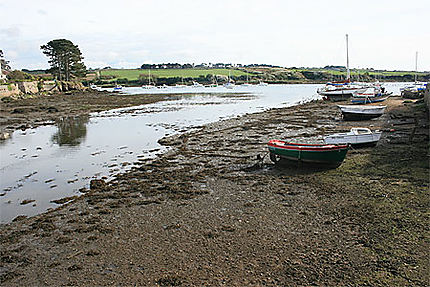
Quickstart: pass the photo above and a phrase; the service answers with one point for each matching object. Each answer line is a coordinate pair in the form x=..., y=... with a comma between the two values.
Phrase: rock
x=27, y=201
x=4, y=135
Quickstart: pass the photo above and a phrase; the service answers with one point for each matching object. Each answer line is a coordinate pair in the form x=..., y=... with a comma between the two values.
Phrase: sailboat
x=149, y=85
x=182, y=85
x=263, y=84
x=416, y=90
x=214, y=82
x=339, y=91
x=229, y=84
x=246, y=84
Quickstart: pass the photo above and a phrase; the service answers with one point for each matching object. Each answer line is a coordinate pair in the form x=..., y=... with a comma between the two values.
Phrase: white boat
x=150, y=85
x=417, y=89
x=339, y=91
x=263, y=84
x=94, y=87
x=361, y=112
x=197, y=85
x=229, y=84
x=246, y=84
x=356, y=137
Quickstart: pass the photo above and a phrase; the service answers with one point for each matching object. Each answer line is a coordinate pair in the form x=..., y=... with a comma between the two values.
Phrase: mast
x=348, y=73
x=149, y=77
x=416, y=65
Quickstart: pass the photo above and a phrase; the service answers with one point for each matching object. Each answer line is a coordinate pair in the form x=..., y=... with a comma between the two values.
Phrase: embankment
x=36, y=87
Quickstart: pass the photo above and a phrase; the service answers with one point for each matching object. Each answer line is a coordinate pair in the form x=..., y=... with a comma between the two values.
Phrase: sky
x=300, y=33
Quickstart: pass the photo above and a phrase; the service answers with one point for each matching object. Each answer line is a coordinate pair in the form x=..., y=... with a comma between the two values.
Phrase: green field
x=133, y=74
x=362, y=71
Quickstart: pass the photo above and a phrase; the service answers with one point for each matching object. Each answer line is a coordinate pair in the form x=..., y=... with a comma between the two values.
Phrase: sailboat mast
x=149, y=78
x=416, y=65
x=348, y=73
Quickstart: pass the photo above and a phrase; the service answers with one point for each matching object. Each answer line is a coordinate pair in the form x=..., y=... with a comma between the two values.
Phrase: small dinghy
x=316, y=154
x=371, y=95
x=360, y=112
x=355, y=137
x=117, y=88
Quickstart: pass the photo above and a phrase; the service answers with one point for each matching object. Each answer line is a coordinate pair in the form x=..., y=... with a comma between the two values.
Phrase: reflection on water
x=71, y=130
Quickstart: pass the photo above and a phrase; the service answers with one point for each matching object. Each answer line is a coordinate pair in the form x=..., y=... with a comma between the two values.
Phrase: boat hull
x=354, y=140
x=316, y=155
x=367, y=100
x=360, y=112
x=352, y=116
x=339, y=94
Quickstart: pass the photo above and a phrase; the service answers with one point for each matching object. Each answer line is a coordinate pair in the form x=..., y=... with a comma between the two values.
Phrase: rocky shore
x=214, y=211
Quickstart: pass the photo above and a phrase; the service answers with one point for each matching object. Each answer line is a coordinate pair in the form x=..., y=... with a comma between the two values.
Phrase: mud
x=214, y=211
x=46, y=109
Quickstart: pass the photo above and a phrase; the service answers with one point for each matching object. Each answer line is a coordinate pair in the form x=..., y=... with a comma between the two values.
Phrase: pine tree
x=65, y=59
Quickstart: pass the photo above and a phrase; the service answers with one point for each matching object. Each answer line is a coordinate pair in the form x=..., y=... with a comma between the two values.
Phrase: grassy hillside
x=255, y=74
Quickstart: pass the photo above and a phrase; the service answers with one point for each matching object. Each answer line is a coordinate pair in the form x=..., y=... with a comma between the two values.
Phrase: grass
x=362, y=72
x=133, y=74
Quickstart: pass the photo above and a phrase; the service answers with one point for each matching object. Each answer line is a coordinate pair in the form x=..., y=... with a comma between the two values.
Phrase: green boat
x=315, y=154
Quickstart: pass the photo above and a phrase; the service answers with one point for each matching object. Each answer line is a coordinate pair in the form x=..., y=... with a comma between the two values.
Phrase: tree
x=4, y=64
x=65, y=59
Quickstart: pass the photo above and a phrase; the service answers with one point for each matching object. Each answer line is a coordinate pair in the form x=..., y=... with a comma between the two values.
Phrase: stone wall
x=9, y=90
x=427, y=96
x=35, y=87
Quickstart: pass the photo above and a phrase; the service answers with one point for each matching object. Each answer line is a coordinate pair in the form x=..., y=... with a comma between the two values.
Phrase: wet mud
x=214, y=211
x=47, y=109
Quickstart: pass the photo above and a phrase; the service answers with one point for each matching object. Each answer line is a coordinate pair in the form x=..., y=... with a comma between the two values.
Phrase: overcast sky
x=302, y=33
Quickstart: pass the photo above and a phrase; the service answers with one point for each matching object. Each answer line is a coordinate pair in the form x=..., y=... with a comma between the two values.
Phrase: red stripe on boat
x=307, y=147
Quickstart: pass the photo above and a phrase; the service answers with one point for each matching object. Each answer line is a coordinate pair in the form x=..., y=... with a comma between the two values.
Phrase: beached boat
x=356, y=137
x=361, y=112
x=343, y=90
x=371, y=95
x=414, y=91
x=317, y=154
x=340, y=91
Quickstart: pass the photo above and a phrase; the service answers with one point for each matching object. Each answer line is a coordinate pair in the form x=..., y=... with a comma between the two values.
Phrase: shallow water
x=53, y=162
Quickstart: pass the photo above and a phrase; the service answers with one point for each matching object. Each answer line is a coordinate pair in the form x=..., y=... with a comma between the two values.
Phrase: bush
x=17, y=75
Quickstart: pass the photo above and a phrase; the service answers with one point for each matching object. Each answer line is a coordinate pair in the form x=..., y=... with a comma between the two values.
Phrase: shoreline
x=209, y=213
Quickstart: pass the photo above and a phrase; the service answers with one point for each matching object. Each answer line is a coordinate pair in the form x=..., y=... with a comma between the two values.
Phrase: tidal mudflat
x=214, y=210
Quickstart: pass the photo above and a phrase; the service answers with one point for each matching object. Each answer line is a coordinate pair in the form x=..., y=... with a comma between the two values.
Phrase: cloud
x=42, y=12
x=11, y=32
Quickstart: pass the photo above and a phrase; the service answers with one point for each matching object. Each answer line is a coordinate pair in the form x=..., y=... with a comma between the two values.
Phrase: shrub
x=17, y=75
